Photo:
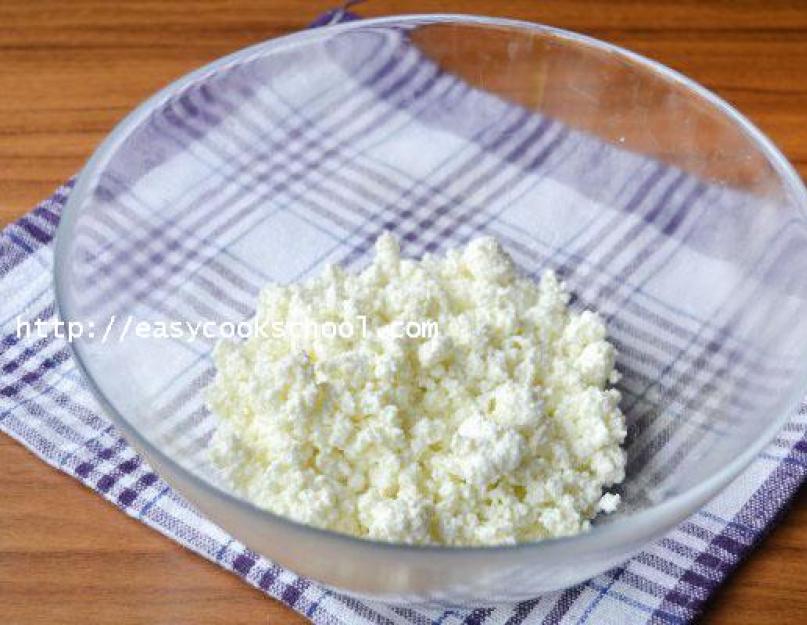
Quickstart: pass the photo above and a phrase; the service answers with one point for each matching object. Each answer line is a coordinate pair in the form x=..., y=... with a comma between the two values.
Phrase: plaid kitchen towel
x=46, y=405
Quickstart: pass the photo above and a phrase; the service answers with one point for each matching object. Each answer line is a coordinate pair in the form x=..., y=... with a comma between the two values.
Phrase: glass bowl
x=658, y=204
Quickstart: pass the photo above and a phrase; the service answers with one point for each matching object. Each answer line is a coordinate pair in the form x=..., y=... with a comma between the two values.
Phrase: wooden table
x=70, y=70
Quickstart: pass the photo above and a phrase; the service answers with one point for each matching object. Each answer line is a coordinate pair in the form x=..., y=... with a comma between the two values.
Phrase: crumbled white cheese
x=609, y=503
x=498, y=429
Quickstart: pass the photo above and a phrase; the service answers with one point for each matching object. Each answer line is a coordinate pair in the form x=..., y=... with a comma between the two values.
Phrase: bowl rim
x=644, y=523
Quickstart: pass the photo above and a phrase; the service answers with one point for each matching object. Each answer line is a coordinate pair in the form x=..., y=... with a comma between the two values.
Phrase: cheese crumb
x=498, y=428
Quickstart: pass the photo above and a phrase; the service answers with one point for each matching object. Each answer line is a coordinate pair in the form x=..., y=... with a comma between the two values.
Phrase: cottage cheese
x=498, y=429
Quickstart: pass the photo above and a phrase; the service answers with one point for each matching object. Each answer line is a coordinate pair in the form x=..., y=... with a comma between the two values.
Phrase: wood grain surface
x=69, y=70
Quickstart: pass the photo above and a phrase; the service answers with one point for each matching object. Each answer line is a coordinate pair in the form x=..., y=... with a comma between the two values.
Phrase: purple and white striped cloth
x=46, y=405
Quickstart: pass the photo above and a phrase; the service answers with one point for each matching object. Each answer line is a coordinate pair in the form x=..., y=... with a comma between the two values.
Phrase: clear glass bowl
x=660, y=205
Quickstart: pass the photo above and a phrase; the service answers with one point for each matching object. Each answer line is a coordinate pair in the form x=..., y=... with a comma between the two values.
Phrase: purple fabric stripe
x=48, y=215
x=32, y=376
x=162, y=229
x=153, y=289
x=757, y=511
x=664, y=203
x=685, y=381
x=363, y=610
x=563, y=604
x=478, y=616
x=35, y=231
x=522, y=610
x=12, y=339
x=400, y=216
x=699, y=363
x=10, y=253
x=334, y=16
x=243, y=563
x=631, y=205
